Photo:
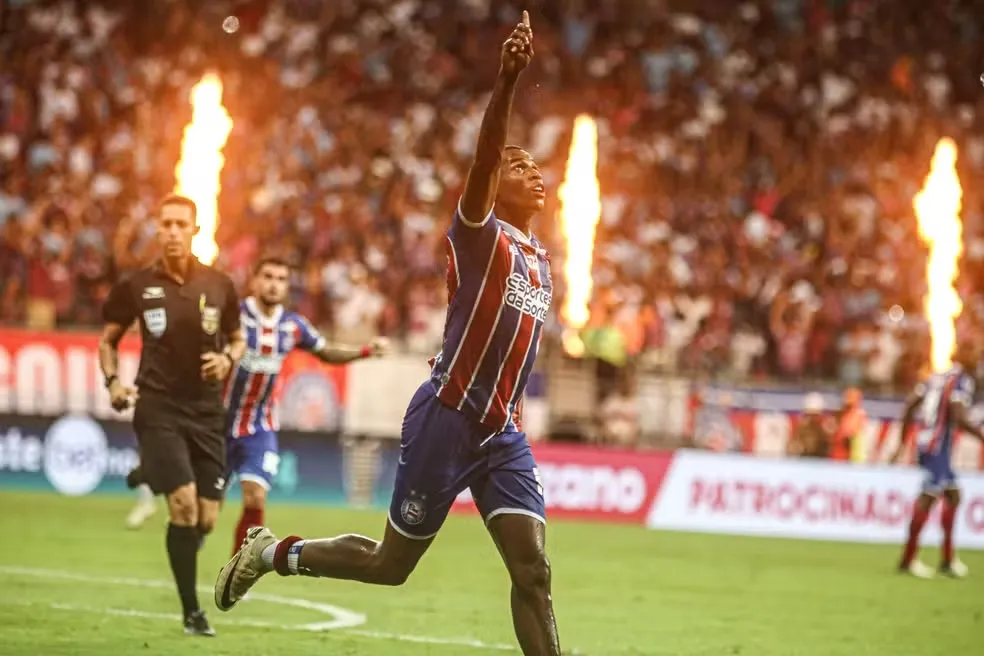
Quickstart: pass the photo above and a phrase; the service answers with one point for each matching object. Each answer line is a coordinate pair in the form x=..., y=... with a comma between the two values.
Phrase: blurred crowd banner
x=761, y=421
x=588, y=483
x=54, y=373
x=50, y=374
x=77, y=455
x=808, y=499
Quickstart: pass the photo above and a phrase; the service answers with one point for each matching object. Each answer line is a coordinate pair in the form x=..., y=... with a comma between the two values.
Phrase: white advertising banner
x=747, y=495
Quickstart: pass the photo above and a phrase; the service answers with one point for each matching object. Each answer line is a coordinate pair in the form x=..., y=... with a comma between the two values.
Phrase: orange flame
x=580, y=199
x=937, y=208
x=201, y=161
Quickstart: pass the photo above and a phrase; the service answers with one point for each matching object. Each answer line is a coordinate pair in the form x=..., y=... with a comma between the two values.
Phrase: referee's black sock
x=182, y=550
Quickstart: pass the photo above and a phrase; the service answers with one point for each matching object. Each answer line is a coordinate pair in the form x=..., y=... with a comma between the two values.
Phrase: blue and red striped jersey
x=250, y=408
x=938, y=393
x=499, y=292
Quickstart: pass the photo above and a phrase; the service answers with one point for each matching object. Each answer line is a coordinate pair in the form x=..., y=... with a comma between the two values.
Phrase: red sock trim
x=919, y=518
x=947, y=520
x=280, y=555
x=252, y=517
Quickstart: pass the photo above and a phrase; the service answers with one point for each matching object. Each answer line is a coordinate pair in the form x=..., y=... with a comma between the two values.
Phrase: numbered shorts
x=180, y=444
x=938, y=474
x=442, y=453
x=253, y=458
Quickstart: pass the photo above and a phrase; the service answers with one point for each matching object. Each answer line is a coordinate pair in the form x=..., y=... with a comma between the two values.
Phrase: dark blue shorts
x=938, y=473
x=443, y=452
x=254, y=458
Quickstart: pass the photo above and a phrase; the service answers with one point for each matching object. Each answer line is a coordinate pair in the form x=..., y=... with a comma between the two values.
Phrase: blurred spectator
x=618, y=415
x=812, y=436
x=848, y=439
x=757, y=161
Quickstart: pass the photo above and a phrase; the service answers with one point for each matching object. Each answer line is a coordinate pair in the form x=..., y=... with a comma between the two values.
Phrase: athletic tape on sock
x=294, y=555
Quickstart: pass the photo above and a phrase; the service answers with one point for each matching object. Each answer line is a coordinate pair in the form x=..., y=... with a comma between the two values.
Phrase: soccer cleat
x=956, y=569
x=244, y=569
x=141, y=512
x=197, y=624
x=918, y=569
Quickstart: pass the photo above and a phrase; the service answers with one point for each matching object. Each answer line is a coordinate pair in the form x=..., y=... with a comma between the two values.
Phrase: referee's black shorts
x=180, y=444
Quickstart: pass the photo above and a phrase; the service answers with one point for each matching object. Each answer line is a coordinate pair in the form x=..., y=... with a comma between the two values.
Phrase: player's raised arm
x=483, y=177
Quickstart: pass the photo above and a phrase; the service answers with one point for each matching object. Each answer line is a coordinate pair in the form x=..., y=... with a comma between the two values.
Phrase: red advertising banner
x=582, y=482
x=52, y=373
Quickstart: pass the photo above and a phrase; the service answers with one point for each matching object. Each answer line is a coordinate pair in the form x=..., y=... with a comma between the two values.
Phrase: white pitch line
x=343, y=619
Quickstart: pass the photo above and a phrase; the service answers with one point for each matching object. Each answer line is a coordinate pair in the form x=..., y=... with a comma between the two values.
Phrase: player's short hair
x=178, y=199
x=271, y=258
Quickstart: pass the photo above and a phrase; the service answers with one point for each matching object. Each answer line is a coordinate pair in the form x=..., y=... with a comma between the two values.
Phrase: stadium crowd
x=758, y=161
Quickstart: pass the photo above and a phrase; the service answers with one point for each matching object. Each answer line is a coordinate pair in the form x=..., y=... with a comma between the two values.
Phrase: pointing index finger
x=526, y=18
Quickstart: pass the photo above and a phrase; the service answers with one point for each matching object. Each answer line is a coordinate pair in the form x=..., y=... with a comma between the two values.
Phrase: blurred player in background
x=939, y=408
x=461, y=428
x=272, y=332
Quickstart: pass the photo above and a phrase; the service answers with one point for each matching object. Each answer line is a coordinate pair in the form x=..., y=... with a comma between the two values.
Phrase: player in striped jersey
x=939, y=408
x=272, y=332
x=462, y=427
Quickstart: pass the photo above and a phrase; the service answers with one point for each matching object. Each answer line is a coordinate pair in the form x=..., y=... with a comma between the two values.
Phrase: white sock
x=144, y=493
x=267, y=555
x=293, y=555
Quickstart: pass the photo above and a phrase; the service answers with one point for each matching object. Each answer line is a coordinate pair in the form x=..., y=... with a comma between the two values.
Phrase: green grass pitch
x=74, y=581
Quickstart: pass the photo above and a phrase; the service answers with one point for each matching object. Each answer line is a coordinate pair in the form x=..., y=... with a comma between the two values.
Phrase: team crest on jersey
x=210, y=319
x=412, y=510
x=156, y=321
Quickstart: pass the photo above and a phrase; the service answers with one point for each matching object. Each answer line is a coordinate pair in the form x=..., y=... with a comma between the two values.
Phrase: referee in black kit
x=189, y=324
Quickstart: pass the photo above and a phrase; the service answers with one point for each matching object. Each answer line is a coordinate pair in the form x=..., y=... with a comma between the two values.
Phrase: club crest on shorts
x=156, y=321
x=210, y=319
x=413, y=510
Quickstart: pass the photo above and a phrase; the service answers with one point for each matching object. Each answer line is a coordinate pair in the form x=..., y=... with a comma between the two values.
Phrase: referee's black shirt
x=178, y=323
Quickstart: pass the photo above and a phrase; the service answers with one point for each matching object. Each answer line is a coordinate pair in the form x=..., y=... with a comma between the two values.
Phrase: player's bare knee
x=393, y=574
x=531, y=576
x=952, y=497
x=394, y=562
x=254, y=496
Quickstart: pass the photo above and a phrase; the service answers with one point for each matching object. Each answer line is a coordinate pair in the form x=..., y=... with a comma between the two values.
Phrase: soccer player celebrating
x=190, y=340
x=940, y=408
x=251, y=416
x=461, y=428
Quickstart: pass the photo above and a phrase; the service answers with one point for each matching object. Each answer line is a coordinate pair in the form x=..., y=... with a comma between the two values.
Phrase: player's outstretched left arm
x=483, y=176
x=337, y=354
x=960, y=412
